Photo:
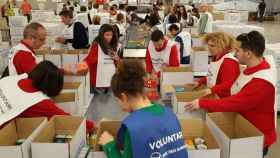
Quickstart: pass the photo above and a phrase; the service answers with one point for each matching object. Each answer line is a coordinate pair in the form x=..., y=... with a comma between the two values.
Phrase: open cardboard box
x=179, y=101
x=175, y=76
x=20, y=128
x=70, y=98
x=44, y=147
x=193, y=128
x=236, y=136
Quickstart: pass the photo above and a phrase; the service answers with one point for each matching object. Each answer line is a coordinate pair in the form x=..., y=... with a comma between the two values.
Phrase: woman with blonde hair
x=224, y=67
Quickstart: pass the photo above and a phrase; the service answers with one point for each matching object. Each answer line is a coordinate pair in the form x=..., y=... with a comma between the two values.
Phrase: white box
x=85, y=82
x=70, y=59
x=20, y=128
x=71, y=98
x=17, y=21
x=199, y=60
x=54, y=58
x=43, y=146
x=176, y=76
x=236, y=136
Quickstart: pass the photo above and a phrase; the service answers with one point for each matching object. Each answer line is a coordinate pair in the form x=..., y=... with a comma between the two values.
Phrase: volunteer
x=205, y=23
x=184, y=42
x=26, y=9
x=253, y=93
x=74, y=34
x=148, y=124
x=29, y=94
x=23, y=58
x=160, y=52
x=224, y=67
x=102, y=57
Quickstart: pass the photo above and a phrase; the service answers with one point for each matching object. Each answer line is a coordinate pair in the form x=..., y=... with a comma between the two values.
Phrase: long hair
x=101, y=41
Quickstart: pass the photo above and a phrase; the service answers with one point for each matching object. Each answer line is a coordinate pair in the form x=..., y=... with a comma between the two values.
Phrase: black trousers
x=265, y=151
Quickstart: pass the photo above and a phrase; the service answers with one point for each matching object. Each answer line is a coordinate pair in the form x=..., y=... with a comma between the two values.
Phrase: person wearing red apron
x=148, y=125
x=161, y=52
x=253, y=93
x=23, y=59
x=224, y=67
x=29, y=95
x=102, y=58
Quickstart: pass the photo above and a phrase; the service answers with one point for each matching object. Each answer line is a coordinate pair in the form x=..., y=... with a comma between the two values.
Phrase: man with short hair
x=75, y=34
x=23, y=58
x=161, y=52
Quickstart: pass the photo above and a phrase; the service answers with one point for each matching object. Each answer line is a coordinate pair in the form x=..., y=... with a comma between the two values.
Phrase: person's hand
x=82, y=68
x=116, y=58
x=193, y=86
x=105, y=138
x=207, y=92
x=60, y=40
x=193, y=105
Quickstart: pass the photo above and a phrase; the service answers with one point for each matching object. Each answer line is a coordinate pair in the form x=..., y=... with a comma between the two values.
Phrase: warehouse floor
x=105, y=106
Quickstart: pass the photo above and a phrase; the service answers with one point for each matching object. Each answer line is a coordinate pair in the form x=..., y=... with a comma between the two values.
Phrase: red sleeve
x=254, y=93
x=149, y=65
x=24, y=62
x=202, y=81
x=92, y=55
x=228, y=73
x=47, y=108
x=174, y=59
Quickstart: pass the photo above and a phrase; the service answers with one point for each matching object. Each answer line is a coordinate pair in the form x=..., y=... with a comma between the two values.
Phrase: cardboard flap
x=71, y=85
x=176, y=69
x=209, y=138
x=65, y=97
x=225, y=121
x=111, y=126
x=58, y=51
x=84, y=51
x=67, y=124
x=191, y=127
x=189, y=96
x=74, y=51
x=25, y=126
x=243, y=128
x=8, y=134
x=199, y=49
x=47, y=134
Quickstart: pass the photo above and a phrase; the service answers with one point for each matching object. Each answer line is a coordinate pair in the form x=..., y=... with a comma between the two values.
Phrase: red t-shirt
x=91, y=60
x=45, y=108
x=255, y=102
x=228, y=73
x=173, y=58
x=24, y=61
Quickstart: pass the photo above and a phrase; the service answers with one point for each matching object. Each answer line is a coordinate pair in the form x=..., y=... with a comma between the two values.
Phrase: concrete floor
x=105, y=106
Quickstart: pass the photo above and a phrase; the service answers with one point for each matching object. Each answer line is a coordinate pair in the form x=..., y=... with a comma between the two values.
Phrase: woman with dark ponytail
x=29, y=95
x=152, y=121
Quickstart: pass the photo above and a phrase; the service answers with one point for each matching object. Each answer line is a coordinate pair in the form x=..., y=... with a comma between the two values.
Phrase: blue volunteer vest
x=154, y=136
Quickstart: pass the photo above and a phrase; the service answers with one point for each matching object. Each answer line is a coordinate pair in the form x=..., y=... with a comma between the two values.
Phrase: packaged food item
x=189, y=144
x=201, y=147
x=199, y=141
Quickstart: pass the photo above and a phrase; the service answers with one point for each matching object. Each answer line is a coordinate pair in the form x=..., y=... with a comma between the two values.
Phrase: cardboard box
x=70, y=98
x=179, y=101
x=44, y=147
x=54, y=58
x=193, y=128
x=20, y=128
x=85, y=83
x=236, y=136
x=70, y=59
